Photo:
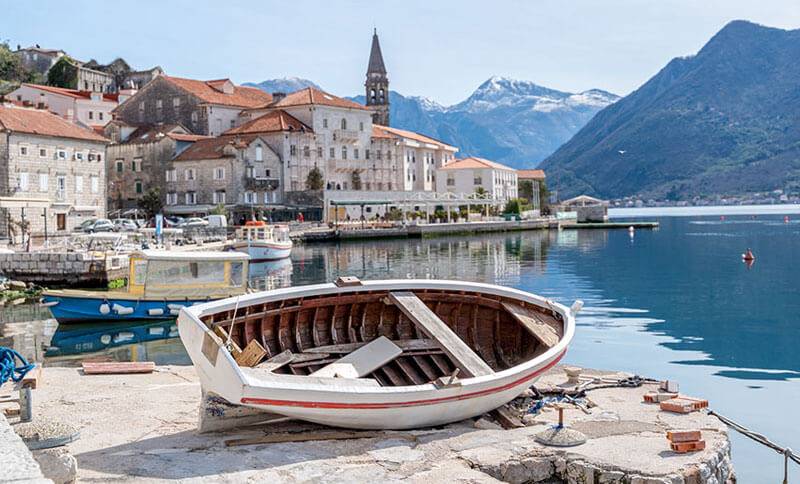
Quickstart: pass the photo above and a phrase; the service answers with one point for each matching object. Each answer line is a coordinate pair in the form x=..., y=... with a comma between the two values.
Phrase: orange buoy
x=254, y=223
x=748, y=256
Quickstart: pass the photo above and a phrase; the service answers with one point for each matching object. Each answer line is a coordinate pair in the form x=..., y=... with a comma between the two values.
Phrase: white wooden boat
x=392, y=354
x=263, y=242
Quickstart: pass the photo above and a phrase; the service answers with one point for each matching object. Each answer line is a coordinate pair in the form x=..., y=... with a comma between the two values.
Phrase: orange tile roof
x=530, y=174
x=272, y=122
x=474, y=162
x=208, y=91
x=186, y=137
x=35, y=121
x=380, y=131
x=74, y=93
x=312, y=95
x=213, y=148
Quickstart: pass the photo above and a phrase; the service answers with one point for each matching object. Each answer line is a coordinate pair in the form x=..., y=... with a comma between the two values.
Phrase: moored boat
x=263, y=242
x=160, y=283
x=376, y=354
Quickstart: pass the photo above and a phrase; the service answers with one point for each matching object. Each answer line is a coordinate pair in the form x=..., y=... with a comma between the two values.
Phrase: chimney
x=277, y=96
x=42, y=104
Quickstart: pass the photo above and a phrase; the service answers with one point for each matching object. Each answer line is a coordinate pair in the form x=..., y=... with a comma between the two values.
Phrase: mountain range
x=517, y=123
x=724, y=121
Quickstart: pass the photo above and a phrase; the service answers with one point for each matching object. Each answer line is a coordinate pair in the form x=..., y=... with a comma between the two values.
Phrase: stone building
x=377, y=84
x=203, y=107
x=137, y=159
x=468, y=175
x=334, y=136
x=52, y=172
x=413, y=158
x=37, y=59
x=239, y=172
x=90, y=109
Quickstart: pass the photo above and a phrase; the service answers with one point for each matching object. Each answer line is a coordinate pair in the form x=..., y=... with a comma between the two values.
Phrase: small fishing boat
x=160, y=283
x=392, y=354
x=263, y=242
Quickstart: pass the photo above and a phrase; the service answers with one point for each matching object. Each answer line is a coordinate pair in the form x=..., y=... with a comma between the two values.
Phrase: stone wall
x=63, y=268
x=16, y=461
x=163, y=90
x=154, y=156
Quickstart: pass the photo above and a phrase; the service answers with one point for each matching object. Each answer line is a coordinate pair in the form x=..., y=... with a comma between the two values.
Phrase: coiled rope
x=9, y=370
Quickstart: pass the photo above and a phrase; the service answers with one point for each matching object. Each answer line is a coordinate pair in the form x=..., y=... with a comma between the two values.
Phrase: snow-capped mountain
x=284, y=85
x=514, y=122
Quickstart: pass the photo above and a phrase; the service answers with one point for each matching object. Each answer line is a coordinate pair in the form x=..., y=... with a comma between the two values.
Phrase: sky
x=440, y=49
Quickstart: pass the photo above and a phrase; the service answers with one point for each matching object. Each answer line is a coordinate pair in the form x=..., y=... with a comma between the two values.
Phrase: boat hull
x=77, y=309
x=360, y=403
x=260, y=251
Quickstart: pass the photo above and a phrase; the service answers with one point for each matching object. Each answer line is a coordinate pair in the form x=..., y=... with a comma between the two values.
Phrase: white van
x=216, y=220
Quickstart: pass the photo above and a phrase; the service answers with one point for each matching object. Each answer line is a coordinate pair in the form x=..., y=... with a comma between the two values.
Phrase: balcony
x=261, y=183
x=345, y=135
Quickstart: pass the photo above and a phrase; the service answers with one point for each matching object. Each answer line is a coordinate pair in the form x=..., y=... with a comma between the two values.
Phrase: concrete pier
x=144, y=428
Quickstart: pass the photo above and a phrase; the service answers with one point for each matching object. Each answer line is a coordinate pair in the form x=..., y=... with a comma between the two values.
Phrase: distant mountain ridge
x=284, y=85
x=514, y=122
x=724, y=121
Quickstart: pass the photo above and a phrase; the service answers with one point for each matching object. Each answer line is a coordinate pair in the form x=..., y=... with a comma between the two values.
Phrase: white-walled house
x=414, y=157
x=468, y=174
x=88, y=108
x=49, y=164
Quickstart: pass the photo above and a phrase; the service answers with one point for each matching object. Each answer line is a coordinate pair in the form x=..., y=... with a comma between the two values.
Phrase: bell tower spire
x=377, y=84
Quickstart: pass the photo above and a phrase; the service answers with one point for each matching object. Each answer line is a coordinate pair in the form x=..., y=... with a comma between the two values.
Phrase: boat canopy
x=192, y=275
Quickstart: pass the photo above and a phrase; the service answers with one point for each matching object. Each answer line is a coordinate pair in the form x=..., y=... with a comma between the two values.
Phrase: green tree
x=63, y=74
x=480, y=192
x=526, y=189
x=314, y=179
x=150, y=202
x=513, y=206
x=219, y=210
x=355, y=178
x=544, y=198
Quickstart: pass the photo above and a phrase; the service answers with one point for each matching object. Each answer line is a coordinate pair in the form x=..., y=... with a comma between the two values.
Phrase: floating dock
x=143, y=428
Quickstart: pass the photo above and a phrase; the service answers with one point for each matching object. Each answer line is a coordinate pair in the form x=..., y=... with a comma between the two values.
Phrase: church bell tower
x=377, y=84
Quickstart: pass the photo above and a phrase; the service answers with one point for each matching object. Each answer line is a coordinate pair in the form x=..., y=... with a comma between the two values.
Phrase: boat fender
x=175, y=306
x=155, y=312
x=175, y=311
x=48, y=304
x=105, y=308
x=576, y=307
x=119, y=309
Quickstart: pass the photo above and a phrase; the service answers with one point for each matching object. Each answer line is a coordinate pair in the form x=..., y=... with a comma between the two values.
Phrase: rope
x=9, y=368
x=786, y=452
x=233, y=322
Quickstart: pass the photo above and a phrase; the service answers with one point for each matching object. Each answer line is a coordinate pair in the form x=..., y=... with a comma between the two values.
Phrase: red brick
x=684, y=436
x=684, y=447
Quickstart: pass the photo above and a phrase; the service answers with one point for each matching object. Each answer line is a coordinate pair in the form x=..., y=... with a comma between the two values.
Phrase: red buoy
x=748, y=256
x=786, y=219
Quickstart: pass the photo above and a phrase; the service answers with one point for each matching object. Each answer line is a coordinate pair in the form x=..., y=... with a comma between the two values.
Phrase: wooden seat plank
x=461, y=354
x=535, y=323
x=363, y=361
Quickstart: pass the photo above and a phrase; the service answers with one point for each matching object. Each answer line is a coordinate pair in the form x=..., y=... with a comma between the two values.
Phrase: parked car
x=192, y=222
x=125, y=225
x=99, y=225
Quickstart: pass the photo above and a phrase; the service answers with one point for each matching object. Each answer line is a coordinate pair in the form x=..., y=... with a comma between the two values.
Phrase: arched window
x=372, y=94
x=382, y=95
x=344, y=123
x=344, y=152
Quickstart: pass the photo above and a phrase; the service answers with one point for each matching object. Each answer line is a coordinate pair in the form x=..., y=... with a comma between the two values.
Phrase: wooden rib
x=392, y=375
x=426, y=367
x=443, y=363
x=369, y=321
x=353, y=322
x=410, y=372
x=407, y=345
x=484, y=336
x=505, y=340
x=381, y=378
x=302, y=330
x=338, y=321
x=285, y=338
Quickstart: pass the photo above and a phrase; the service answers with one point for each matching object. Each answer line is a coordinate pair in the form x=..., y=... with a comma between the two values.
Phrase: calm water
x=677, y=302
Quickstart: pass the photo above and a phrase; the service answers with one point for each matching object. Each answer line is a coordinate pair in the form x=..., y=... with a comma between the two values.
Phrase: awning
x=187, y=209
x=19, y=202
x=85, y=208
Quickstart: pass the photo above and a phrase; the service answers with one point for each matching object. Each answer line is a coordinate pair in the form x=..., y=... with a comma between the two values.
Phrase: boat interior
x=397, y=338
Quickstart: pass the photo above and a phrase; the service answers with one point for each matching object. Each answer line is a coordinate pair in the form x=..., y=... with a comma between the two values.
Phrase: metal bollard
x=25, y=404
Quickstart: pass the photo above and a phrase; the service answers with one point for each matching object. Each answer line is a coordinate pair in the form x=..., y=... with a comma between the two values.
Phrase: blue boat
x=160, y=283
